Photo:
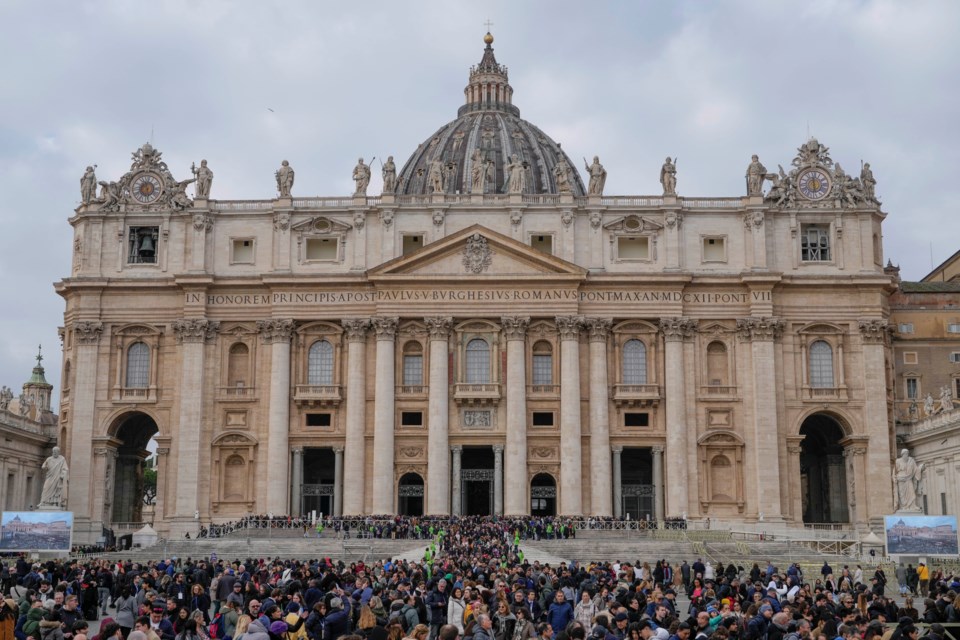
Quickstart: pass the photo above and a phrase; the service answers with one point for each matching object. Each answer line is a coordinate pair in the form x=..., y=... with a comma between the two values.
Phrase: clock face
x=814, y=184
x=146, y=188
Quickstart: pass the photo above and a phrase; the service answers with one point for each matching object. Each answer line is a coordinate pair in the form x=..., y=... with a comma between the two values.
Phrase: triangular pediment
x=477, y=252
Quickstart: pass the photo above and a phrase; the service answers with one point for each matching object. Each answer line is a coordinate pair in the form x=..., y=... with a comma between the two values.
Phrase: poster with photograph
x=36, y=530
x=921, y=535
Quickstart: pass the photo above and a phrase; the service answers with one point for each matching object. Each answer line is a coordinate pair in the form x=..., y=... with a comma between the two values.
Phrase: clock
x=146, y=188
x=814, y=184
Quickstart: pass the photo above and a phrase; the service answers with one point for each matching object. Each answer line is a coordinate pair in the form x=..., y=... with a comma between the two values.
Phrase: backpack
x=216, y=627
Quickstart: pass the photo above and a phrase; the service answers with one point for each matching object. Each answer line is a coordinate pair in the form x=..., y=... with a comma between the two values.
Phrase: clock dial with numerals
x=146, y=188
x=814, y=184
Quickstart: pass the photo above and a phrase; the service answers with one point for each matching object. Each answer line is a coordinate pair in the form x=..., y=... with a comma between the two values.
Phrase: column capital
x=338, y=451
x=794, y=448
x=195, y=329
x=275, y=330
x=163, y=451
x=457, y=449
x=356, y=328
x=677, y=328
x=515, y=327
x=760, y=329
x=875, y=331
x=498, y=448
x=569, y=327
x=657, y=449
x=617, y=450
x=849, y=452
x=87, y=332
x=297, y=451
x=385, y=328
x=597, y=328
x=438, y=326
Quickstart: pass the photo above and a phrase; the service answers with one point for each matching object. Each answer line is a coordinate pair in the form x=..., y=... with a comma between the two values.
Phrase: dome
x=488, y=129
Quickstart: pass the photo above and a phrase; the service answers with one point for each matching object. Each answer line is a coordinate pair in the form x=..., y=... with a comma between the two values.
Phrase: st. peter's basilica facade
x=491, y=334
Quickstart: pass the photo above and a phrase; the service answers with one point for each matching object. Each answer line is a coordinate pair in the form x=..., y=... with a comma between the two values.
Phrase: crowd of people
x=473, y=582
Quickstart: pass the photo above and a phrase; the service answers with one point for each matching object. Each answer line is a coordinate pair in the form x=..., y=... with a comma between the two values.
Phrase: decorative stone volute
x=439, y=326
x=874, y=331
x=598, y=328
x=385, y=328
x=356, y=328
x=275, y=330
x=87, y=332
x=569, y=327
x=762, y=328
x=195, y=329
x=677, y=328
x=515, y=327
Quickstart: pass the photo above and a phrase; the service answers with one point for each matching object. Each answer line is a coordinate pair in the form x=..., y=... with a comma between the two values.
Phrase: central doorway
x=543, y=495
x=636, y=483
x=823, y=475
x=410, y=495
x=316, y=489
x=476, y=481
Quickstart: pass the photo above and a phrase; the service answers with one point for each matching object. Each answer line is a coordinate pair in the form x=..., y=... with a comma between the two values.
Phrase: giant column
x=338, y=481
x=457, y=507
x=438, y=433
x=601, y=494
x=571, y=501
x=617, y=483
x=873, y=337
x=675, y=331
x=498, y=479
x=761, y=332
x=86, y=340
x=354, y=446
x=192, y=334
x=515, y=468
x=383, y=418
x=657, y=453
x=277, y=334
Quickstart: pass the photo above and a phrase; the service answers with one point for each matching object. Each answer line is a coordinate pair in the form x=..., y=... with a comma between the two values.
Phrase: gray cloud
x=712, y=83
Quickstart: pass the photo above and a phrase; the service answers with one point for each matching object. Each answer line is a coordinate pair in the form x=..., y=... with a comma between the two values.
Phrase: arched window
x=66, y=375
x=320, y=363
x=821, y=365
x=478, y=362
x=717, y=363
x=138, y=366
x=238, y=365
x=542, y=363
x=634, y=362
x=413, y=363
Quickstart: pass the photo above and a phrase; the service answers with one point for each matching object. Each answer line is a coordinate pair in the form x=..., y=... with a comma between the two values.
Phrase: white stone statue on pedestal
x=55, y=477
x=906, y=478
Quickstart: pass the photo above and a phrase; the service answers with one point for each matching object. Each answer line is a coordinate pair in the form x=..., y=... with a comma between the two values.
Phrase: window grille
x=320, y=363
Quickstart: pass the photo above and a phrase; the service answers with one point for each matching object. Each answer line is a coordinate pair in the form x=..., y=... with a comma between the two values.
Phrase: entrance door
x=543, y=495
x=636, y=472
x=476, y=481
x=410, y=495
x=316, y=488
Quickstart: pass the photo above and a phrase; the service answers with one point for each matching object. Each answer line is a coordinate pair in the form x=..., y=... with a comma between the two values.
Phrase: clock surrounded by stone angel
x=146, y=188
x=814, y=184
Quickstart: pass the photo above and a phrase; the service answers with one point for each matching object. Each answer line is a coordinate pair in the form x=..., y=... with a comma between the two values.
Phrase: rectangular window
x=413, y=369
x=633, y=248
x=905, y=327
x=943, y=504
x=955, y=357
x=319, y=419
x=815, y=243
x=322, y=249
x=913, y=386
x=714, y=249
x=956, y=388
x=636, y=419
x=953, y=327
x=542, y=369
x=242, y=251
x=542, y=243
x=412, y=243
x=909, y=357
x=411, y=418
x=142, y=245
x=542, y=418
x=8, y=501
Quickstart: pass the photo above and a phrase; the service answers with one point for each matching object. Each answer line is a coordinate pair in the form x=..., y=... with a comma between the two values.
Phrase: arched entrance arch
x=543, y=495
x=823, y=475
x=135, y=483
x=410, y=495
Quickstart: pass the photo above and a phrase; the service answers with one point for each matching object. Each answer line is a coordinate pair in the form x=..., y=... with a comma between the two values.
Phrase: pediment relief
x=233, y=438
x=718, y=437
x=238, y=331
x=413, y=329
x=710, y=329
x=635, y=326
x=633, y=224
x=476, y=252
x=475, y=326
x=821, y=328
x=320, y=225
x=320, y=328
x=541, y=329
x=132, y=330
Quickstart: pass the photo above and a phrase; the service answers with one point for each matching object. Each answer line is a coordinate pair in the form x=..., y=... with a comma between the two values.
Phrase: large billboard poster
x=36, y=530
x=921, y=535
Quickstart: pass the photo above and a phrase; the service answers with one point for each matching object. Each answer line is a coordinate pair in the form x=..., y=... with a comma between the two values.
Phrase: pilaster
x=86, y=337
x=601, y=483
x=354, y=450
x=383, y=419
x=571, y=500
x=515, y=471
x=874, y=335
x=675, y=330
x=617, y=483
x=438, y=433
x=277, y=333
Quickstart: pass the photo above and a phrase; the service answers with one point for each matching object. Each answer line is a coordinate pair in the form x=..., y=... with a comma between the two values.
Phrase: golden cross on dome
x=39, y=357
x=488, y=25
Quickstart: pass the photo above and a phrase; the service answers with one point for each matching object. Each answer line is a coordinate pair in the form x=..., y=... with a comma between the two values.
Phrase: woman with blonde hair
x=367, y=620
x=242, y=623
x=420, y=632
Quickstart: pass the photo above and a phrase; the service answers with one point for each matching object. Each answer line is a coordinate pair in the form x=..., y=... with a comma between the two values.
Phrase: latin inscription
x=474, y=295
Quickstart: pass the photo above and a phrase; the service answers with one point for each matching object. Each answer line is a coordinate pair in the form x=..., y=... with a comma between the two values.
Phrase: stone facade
x=498, y=351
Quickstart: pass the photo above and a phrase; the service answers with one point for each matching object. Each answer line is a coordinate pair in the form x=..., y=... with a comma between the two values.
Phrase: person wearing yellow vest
x=923, y=573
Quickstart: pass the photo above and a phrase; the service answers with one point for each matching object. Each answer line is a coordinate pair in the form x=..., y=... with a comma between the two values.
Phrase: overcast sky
x=248, y=84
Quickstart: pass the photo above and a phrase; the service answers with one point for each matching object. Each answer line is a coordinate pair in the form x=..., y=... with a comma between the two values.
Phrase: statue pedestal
x=46, y=508
x=909, y=512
